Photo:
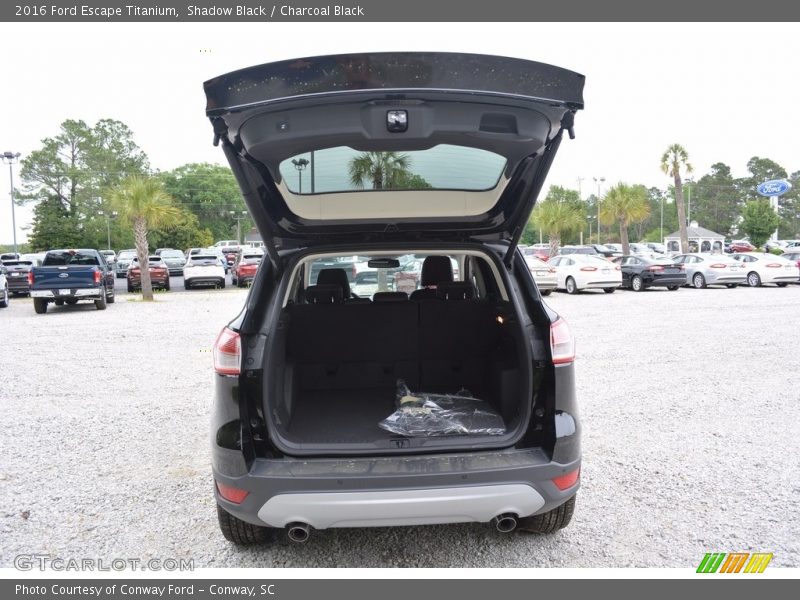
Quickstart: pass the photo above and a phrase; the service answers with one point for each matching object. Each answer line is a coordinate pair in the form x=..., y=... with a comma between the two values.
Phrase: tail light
x=718, y=266
x=98, y=276
x=30, y=276
x=232, y=494
x=562, y=344
x=588, y=268
x=228, y=353
x=655, y=268
x=774, y=265
x=567, y=480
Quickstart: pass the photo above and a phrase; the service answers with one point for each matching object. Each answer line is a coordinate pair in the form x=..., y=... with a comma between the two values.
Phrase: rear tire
x=101, y=303
x=753, y=279
x=40, y=305
x=609, y=290
x=547, y=292
x=672, y=288
x=571, y=286
x=782, y=284
x=130, y=288
x=243, y=533
x=730, y=286
x=222, y=285
x=168, y=286
x=4, y=298
x=548, y=522
x=698, y=281
x=637, y=284
x=112, y=298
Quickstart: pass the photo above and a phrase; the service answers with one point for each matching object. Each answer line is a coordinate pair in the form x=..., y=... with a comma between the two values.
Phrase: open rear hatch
x=356, y=147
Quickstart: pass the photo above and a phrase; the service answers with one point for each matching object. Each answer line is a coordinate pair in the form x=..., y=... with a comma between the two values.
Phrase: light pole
x=300, y=164
x=10, y=158
x=689, y=180
x=239, y=218
x=598, y=181
x=661, y=241
x=580, y=179
x=108, y=217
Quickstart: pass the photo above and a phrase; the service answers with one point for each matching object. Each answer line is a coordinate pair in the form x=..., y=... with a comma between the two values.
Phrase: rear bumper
x=18, y=284
x=74, y=293
x=402, y=490
x=204, y=280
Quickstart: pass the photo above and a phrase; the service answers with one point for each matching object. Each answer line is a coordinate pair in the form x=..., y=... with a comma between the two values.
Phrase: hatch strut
x=220, y=133
x=541, y=172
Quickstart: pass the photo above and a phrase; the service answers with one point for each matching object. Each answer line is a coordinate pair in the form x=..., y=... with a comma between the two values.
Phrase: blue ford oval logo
x=63, y=275
x=775, y=187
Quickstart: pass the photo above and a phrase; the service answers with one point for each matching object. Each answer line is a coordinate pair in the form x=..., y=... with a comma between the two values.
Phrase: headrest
x=323, y=294
x=389, y=297
x=436, y=269
x=455, y=290
x=335, y=277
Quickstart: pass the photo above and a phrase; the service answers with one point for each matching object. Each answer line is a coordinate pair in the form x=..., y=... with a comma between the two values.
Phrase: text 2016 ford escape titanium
x=438, y=388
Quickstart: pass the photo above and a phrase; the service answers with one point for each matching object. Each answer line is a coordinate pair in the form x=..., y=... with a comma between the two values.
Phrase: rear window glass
x=70, y=257
x=199, y=259
x=252, y=259
x=172, y=254
x=17, y=263
x=343, y=169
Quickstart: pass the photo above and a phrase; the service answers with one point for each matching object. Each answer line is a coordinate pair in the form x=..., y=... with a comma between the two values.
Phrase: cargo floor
x=341, y=416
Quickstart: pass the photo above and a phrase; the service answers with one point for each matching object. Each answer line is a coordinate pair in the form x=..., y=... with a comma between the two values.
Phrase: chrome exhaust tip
x=298, y=532
x=505, y=523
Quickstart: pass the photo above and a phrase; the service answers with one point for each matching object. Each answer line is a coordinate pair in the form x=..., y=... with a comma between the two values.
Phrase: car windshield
x=204, y=260
x=343, y=169
x=69, y=257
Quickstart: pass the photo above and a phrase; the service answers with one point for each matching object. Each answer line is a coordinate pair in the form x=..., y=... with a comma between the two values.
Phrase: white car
x=711, y=269
x=203, y=269
x=577, y=272
x=543, y=274
x=767, y=268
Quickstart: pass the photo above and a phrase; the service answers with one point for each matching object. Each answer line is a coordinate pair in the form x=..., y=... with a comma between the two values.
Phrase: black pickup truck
x=68, y=276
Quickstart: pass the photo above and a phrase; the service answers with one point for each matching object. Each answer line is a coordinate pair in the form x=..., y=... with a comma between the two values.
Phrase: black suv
x=446, y=395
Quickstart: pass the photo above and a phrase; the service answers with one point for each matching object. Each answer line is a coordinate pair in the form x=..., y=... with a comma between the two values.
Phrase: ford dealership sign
x=776, y=187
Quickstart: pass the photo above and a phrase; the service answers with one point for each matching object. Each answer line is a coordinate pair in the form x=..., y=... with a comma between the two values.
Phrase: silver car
x=543, y=274
x=711, y=269
x=124, y=259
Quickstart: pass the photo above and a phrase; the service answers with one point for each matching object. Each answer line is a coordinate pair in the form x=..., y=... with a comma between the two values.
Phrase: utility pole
x=598, y=181
x=239, y=218
x=10, y=158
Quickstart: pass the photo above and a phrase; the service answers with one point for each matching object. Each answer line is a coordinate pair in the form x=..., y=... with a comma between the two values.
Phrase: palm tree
x=675, y=158
x=383, y=169
x=624, y=205
x=142, y=202
x=554, y=217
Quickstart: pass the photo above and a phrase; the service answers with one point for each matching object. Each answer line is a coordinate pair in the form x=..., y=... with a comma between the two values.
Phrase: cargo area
x=337, y=366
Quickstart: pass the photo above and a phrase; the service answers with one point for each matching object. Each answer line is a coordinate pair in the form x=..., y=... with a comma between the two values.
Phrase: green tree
x=383, y=169
x=624, y=204
x=182, y=233
x=410, y=181
x=142, y=202
x=758, y=221
x=675, y=159
x=560, y=213
x=52, y=227
x=75, y=167
x=716, y=202
x=210, y=192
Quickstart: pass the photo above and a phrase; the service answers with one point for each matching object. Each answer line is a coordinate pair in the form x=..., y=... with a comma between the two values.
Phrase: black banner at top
x=396, y=11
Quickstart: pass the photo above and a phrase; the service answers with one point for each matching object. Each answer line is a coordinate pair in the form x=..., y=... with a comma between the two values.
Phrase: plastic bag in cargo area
x=427, y=415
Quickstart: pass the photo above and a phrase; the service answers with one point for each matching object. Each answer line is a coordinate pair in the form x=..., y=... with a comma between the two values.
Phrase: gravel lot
x=690, y=405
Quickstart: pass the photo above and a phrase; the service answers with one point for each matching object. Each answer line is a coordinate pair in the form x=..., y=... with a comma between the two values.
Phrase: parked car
x=578, y=250
x=606, y=250
x=174, y=259
x=540, y=251
x=17, y=276
x=204, y=269
x=110, y=256
x=305, y=422
x=219, y=254
x=9, y=256
x=159, y=274
x=615, y=247
x=767, y=268
x=543, y=274
x=3, y=288
x=578, y=272
x=792, y=253
x=245, y=266
x=639, y=249
x=741, y=246
x=711, y=269
x=642, y=272
x=124, y=259
x=656, y=247
x=68, y=276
